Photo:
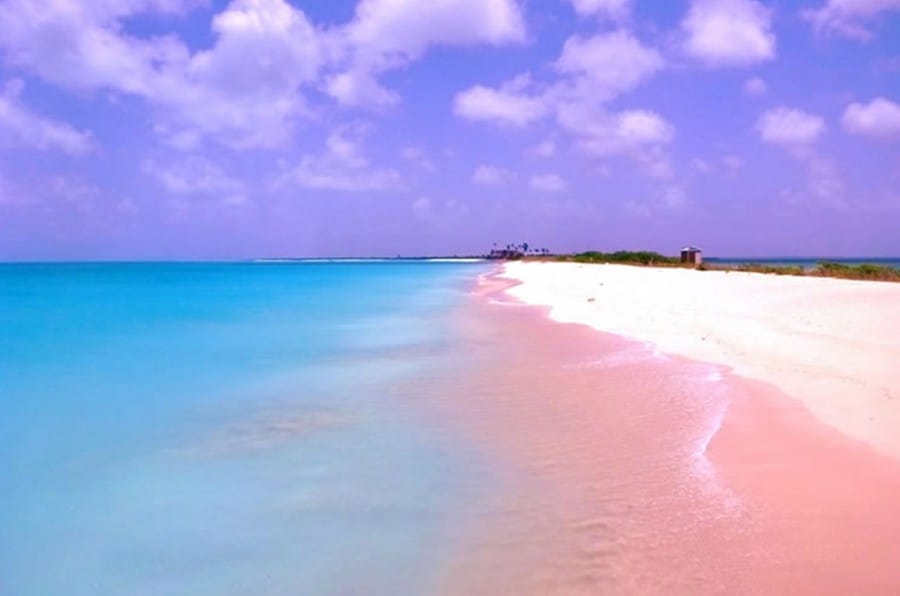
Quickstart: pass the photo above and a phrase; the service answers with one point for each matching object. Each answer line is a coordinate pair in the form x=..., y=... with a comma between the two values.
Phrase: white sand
x=834, y=344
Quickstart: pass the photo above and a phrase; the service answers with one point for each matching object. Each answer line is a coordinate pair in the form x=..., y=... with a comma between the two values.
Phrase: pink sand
x=834, y=344
x=630, y=472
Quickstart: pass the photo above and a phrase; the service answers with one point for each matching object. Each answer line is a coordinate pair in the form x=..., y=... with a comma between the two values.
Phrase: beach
x=832, y=344
x=628, y=468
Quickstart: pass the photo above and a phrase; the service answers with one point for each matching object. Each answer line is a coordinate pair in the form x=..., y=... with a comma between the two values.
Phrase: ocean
x=243, y=428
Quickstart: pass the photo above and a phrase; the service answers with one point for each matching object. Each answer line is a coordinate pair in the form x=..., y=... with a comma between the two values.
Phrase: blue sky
x=211, y=129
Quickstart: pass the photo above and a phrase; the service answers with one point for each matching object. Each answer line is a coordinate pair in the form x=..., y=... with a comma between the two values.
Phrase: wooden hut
x=691, y=255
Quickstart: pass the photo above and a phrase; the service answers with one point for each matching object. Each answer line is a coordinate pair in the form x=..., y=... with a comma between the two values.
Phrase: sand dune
x=834, y=344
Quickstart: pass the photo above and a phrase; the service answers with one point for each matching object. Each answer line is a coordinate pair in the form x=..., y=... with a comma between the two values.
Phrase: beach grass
x=862, y=271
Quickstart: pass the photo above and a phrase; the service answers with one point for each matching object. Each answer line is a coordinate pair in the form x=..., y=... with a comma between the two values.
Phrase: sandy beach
x=625, y=470
x=832, y=344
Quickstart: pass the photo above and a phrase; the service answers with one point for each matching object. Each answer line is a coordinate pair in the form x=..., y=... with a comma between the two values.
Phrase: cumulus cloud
x=544, y=149
x=621, y=132
x=614, y=9
x=81, y=45
x=728, y=33
x=798, y=131
x=343, y=166
x=492, y=176
x=639, y=134
x=197, y=176
x=591, y=70
x=388, y=34
x=755, y=87
x=248, y=89
x=548, y=183
x=513, y=104
x=849, y=18
x=244, y=91
x=21, y=127
x=607, y=65
x=589, y=73
x=405, y=29
x=878, y=118
x=790, y=127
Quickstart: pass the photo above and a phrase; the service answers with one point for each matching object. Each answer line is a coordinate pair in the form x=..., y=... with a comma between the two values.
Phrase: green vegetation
x=623, y=257
x=865, y=271
x=756, y=268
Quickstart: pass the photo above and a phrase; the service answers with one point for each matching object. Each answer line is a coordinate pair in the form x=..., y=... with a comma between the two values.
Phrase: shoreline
x=830, y=343
x=626, y=470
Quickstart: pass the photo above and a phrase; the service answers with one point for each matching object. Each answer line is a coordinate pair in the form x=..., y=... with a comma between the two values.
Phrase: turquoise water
x=225, y=428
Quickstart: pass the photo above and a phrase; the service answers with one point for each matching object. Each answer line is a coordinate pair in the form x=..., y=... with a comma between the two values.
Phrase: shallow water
x=397, y=429
x=224, y=428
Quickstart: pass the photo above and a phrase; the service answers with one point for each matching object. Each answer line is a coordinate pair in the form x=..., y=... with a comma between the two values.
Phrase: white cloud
x=359, y=86
x=728, y=32
x=607, y=65
x=878, y=118
x=438, y=212
x=614, y=9
x=388, y=34
x=798, y=131
x=343, y=166
x=80, y=45
x=405, y=29
x=244, y=91
x=69, y=190
x=511, y=105
x=600, y=69
x=825, y=182
x=755, y=87
x=544, y=149
x=248, y=89
x=492, y=176
x=21, y=127
x=638, y=134
x=197, y=176
x=642, y=127
x=789, y=127
x=591, y=71
x=848, y=18
x=548, y=183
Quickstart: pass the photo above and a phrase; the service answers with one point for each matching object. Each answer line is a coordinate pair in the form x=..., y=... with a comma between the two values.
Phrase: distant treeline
x=624, y=257
x=864, y=271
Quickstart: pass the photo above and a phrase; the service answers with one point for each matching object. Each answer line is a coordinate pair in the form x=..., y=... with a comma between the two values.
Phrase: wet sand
x=832, y=343
x=626, y=471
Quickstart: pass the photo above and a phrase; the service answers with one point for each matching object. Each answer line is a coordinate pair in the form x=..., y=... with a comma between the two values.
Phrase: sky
x=208, y=129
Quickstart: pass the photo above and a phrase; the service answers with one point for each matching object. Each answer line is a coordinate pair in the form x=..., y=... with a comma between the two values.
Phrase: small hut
x=691, y=255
